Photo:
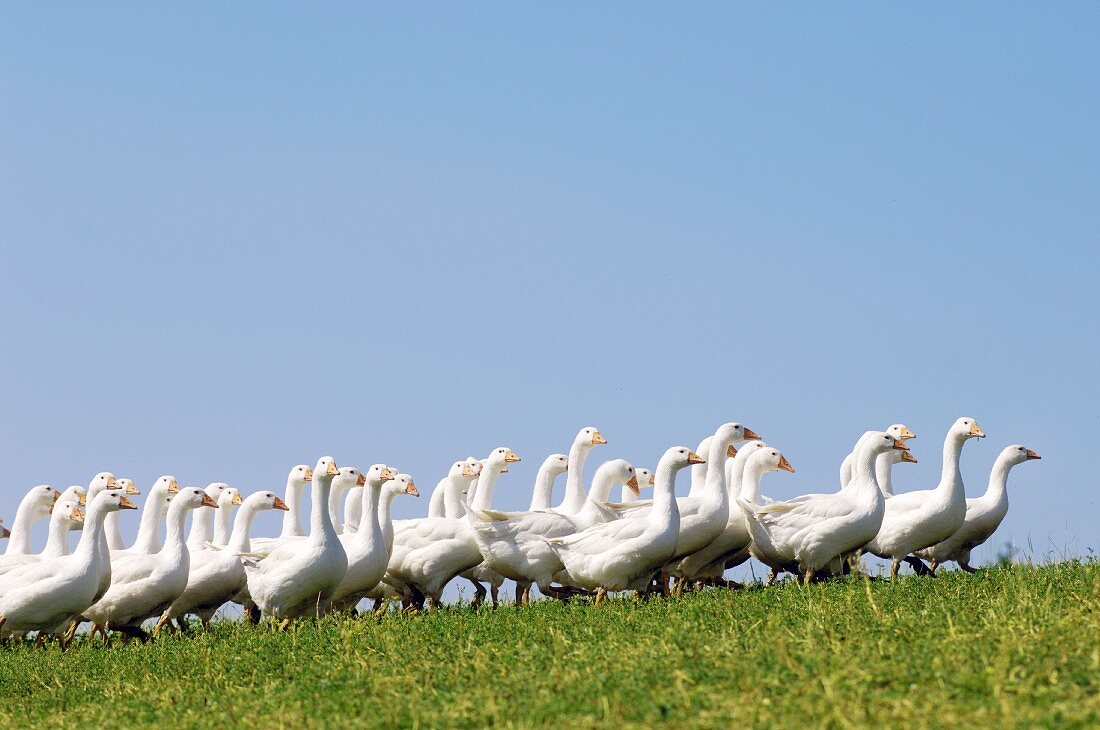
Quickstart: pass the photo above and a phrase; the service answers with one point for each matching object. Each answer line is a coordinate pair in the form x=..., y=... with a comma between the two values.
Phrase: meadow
x=1015, y=646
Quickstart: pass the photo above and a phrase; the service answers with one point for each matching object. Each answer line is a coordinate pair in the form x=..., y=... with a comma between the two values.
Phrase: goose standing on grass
x=899, y=431
x=152, y=515
x=624, y=554
x=369, y=547
x=916, y=520
x=65, y=516
x=216, y=574
x=297, y=578
x=575, y=494
x=223, y=516
x=552, y=467
x=983, y=514
x=44, y=596
x=144, y=585
x=202, y=524
x=806, y=534
x=35, y=506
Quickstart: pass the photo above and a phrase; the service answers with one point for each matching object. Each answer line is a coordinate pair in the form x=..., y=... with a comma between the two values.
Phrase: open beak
x=632, y=483
x=361, y=480
x=332, y=470
x=411, y=489
x=976, y=431
x=207, y=501
x=387, y=475
x=900, y=445
x=77, y=515
x=597, y=439
x=1032, y=455
x=785, y=465
x=125, y=503
x=694, y=458
x=730, y=451
x=237, y=501
x=751, y=435
x=309, y=474
x=908, y=456
x=281, y=505
x=511, y=457
x=173, y=487
x=906, y=434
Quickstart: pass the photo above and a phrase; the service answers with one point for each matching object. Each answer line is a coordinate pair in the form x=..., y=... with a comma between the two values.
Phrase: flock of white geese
x=587, y=544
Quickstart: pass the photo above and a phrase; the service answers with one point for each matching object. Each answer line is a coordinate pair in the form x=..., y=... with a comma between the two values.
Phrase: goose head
x=645, y=477
x=680, y=457
x=966, y=428
x=127, y=486
x=880, y=442
x=214, y=490
x=75, y=493
x=555, y=464
x=1017, y=454
x=472, y=468
x=378, y=475
x=265, y=501
x=499, y=458
x=110, y=500
x=68, y=510
x=901, y=432
x=349, y=477
x=401, y=484
x=229, y=498
x=325, y=470
x=165, y=486
x=588, y=437
x=193, y=498
x=769, y=458
x=102, y=480
x=40, y=501
x=299, y=476
x=616, y=471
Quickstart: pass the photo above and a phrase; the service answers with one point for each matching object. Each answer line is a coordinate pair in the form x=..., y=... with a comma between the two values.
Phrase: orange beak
x=125, y=503
x=908, y=456
x=361, y=480
x=208, y=502
x=785, y=465
x=632, y=483
x=751, y=435
x=1032, y=455
x=694, y=458
x=411, y=489
x=730, y=451
x=281, y=505
x=900, y=446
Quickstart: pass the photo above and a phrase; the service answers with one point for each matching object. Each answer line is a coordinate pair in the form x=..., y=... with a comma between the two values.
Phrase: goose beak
x=56, y=496
x=77, y=515
x=633, y=484
x=207, y=501
x=83, y=500
x=237, y=501
x=332, y=470
x=125, y=503
x=4, y=532
x=694, y=458
x=511, y=457
x=361, y=480
x=785, y=465
x=906, y=434
x=504, y=470
x=173, y=487
x=309, y=474
x=387, y=475
x=751, y=435
x=468, y=472
x=281, y=505
x=908, y=456
x=1032, y=455
x=131, y=489
x=900, y=445
x=652, y=479
x=730, y=451
x=976, y=431
x=597, y=439
x=112, y=483
x=411, y=489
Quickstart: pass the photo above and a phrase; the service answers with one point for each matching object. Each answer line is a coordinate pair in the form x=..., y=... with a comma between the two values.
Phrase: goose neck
x=486, y=485
x=240, y=539
x=19, y=542
x=884, y=473
x=57, y=542
x=544, y=488
x=998, y=481
x=752, y=475
x=368, y=521
x=574, y=480
x=385, y=519
x=321, y=528
x=951, y=475
x=292, y=518
x=147, y=540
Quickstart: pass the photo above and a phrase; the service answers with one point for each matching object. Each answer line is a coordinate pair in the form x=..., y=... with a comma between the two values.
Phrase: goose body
x=297, y=578
x=917, y=520
x=983, y=514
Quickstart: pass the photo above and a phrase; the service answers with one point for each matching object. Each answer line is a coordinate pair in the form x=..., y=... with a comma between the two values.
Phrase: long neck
x=335, y=498
x=240, y=538
x=202, y=528
x=884, y=470
x=714, y=489
x=602, y=482
x=865, y=479
x=627, y=496
x=455, y=501
x=735, y=477
x=368, y=524
x=90, y=538
x=292, y=522
x=385, y=519
x=223, y=524
x=173, y=540
x=998, y=482
x=951, y=476
x=699, y=472
x=544, y=487
x=20, y=541
x=112, y=531
x=750, y=479
x=437, y=505
x=147, y=539
x=320, y=524
x=574, y=480
x=57, y=543
x=353, y=510
x=486, y=483
x=664, y=498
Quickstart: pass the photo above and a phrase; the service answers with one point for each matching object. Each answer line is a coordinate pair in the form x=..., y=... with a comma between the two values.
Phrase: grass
x=1017, y=647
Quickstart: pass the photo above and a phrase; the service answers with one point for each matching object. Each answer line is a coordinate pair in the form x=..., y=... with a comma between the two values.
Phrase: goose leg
x=165, y=619
x=254, y=614
x=894, y=565
x=918, y=565
x=966, y=566
x=809, y=576
x=600, y=594
x=771, y=578
x=933, y=565
x=494, y=593
x=479, y=594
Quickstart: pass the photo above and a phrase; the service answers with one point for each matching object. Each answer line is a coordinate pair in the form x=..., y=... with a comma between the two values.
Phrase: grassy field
x=1017, y=647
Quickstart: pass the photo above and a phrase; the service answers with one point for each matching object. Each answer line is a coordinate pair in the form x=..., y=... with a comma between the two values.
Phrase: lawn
x=1018, y=646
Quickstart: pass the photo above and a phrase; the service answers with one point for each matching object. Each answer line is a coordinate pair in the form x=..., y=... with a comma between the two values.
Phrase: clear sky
x=237, y=237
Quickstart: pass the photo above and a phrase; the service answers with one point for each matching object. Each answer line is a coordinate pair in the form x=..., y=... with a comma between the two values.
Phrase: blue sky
x=239, y=237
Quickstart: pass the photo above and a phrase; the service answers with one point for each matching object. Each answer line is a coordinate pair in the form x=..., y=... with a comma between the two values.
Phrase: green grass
x=1017, y=647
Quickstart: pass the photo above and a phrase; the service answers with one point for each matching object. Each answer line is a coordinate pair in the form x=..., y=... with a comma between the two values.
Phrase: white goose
x=297, y=578
x=627, y=495
x=65, y=516
x=46, y=595
x=152, y=514
x=916, y=520
x=216, y=575
x=383, y=591
x=347, y=482
x=106, y=480
x=369, y=547
x=805, y=534
x=223, y=516
x=899, y=431
x=624, y=554
x=574, y=498
x=144, y=585
x=983, y=514
x=552, y=467
x=202, y=524
x=35, y=506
